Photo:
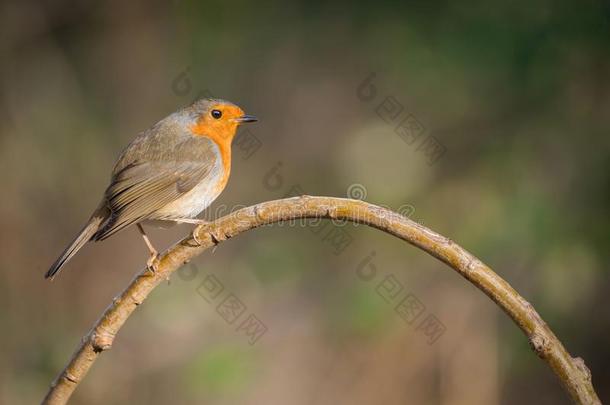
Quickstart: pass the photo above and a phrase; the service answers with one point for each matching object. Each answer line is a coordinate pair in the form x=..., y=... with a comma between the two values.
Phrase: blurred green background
x=516, y=94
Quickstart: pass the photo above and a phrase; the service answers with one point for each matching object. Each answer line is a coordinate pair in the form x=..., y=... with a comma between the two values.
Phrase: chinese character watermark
x=406, y=126
x=406, y=304
x=227, y=304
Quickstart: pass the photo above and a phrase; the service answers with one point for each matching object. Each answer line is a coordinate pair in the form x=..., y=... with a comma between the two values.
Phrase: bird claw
x=152, y=264
x=215, y=240
x=196, y=238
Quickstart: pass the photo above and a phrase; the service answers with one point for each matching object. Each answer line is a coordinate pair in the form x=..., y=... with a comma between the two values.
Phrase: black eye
x=216, y=114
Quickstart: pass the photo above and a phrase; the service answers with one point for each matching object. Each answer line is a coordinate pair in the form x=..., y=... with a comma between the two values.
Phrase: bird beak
x=246, y=118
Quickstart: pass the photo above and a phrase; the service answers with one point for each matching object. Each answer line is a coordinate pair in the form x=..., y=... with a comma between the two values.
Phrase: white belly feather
x=198, y=199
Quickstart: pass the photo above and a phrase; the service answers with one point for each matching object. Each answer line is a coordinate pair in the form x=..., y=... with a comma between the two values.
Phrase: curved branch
x=572, y=372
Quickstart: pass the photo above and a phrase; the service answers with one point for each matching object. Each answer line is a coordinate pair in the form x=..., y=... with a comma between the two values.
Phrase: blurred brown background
x=504, y=149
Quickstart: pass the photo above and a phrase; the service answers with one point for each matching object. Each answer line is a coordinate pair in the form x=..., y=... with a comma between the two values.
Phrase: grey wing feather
x=144, y=186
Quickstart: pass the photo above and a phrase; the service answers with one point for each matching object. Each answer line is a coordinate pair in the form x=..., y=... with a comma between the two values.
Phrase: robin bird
x=170, y=172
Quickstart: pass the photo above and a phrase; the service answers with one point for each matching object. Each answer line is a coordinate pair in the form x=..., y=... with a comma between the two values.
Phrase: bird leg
x=151, y=262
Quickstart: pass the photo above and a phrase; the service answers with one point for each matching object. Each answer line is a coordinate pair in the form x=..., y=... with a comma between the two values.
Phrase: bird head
x=218, y=119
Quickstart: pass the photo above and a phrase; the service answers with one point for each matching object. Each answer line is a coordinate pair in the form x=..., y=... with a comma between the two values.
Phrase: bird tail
x=83, y=237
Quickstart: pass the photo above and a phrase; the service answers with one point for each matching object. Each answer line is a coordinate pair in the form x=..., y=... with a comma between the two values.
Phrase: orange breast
x=221, y=137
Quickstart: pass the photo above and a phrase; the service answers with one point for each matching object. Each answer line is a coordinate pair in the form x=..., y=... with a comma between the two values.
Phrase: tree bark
x=572, y=372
